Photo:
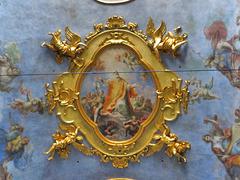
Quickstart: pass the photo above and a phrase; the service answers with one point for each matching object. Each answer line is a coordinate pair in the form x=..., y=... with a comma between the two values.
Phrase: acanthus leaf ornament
x=120, y=121
x=172, y=96
x=59, y=95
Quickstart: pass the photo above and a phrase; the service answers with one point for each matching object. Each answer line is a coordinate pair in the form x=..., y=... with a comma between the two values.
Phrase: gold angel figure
x=174, y=147
x=62, y=142
x=168, y=42
x=71, y=48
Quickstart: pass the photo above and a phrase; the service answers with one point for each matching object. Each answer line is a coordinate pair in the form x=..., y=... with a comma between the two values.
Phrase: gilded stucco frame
x=76, y=127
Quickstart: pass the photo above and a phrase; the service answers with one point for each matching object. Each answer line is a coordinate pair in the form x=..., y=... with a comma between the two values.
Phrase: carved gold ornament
x=117, y=95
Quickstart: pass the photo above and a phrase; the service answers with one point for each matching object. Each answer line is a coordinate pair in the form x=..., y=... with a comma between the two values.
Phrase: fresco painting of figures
x=14, y=147
x=225, y=56
x=201, y=91
x=225, y=142
x=30, y=104
x=8, y=68
x=120, y=99
x=211, y=125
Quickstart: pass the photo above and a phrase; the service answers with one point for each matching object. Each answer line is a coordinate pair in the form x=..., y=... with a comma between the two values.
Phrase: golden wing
x=161, y=30
x=150, y=27
x=158, y=34
x=73, y=38
x=58, y=136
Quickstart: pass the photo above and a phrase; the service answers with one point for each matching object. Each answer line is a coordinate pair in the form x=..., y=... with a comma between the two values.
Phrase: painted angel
x=8, y=72
x=202, y=91
x=15, y=146
x=225, y=56
x=29, y=105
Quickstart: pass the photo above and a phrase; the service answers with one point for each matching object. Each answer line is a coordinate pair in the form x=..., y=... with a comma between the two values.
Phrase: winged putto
x=174, y=147
x=62, y=142
x=166, y=41
x=71, y=47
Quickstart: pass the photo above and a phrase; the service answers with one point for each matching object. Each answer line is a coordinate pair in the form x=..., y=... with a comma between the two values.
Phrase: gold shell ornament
x=116, y=97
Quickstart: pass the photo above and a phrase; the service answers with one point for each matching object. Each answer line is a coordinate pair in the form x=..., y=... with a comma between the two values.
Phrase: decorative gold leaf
x=150, y=27
x=64, y=97
x=72, y=37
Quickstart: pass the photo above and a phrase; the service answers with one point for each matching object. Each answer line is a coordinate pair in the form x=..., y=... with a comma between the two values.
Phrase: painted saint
x=119, y=95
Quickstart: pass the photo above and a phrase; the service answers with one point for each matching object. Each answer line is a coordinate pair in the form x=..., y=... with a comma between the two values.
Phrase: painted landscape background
x=210, y=60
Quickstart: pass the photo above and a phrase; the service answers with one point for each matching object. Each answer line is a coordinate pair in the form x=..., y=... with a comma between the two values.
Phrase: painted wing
x=150, y=27
x=72, y=37
x=210, y=84
x=29, y=96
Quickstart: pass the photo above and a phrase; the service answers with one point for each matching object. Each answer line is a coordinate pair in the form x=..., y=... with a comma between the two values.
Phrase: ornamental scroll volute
x=117, y=94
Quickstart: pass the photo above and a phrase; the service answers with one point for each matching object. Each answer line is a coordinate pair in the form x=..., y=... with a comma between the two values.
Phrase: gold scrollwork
x=116, y=22
x=116, y=38
x=58, y=94
x=171, y=96
x=64, y=97
x=121, y=161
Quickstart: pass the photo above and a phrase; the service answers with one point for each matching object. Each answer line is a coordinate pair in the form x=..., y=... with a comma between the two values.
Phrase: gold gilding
x=63, y=98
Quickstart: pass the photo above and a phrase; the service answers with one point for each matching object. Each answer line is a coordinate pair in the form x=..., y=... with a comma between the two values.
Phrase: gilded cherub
x=62, y=142
x=70, y=48
x=174, y=147
x=167, y=42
